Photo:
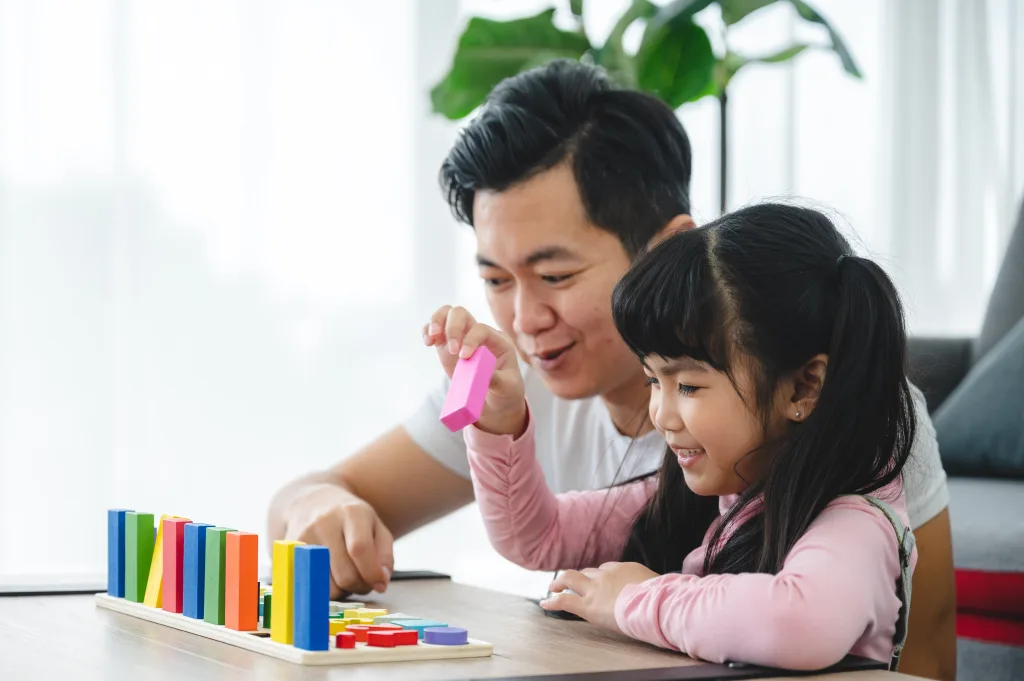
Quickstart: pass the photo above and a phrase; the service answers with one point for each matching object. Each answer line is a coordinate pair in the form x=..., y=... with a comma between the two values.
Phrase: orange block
x=241, y=581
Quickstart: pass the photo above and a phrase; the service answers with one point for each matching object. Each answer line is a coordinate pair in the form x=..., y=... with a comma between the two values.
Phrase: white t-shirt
x=579, y=448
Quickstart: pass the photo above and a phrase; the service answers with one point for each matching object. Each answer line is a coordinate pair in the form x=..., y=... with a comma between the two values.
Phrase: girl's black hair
x=767, y=283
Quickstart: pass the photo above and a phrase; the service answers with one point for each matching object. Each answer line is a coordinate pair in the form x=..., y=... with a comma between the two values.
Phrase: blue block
x=312, y=597
x=115, y=551
x=194, y=572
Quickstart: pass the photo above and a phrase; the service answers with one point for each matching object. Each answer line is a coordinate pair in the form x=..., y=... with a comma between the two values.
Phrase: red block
x=359, y=630
x=241, y=581
x=384, y=627
x=381, y=639
x=174, y=562
x=345, y=639
x=405, y=637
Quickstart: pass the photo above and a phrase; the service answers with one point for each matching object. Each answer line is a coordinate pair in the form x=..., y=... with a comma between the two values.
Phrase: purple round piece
x=445, y=636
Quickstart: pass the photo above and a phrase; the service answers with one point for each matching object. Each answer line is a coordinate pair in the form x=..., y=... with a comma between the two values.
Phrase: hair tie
x=839, y=260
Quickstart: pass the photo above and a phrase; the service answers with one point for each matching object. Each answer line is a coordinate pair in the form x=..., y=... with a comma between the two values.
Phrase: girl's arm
x=532, y=527
x=837, y=587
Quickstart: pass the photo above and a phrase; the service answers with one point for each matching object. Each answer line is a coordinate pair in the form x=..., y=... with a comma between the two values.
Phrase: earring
x=798, y=416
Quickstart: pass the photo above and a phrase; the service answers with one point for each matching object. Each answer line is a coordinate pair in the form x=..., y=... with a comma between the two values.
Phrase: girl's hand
x=595, y=590
x=455, y=334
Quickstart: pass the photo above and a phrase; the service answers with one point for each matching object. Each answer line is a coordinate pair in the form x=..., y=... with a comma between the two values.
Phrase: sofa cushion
x=979, y=427
x=987, y=523
x=1006, y=304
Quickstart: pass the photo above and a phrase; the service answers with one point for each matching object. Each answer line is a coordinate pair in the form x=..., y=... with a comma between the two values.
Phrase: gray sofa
x=986, y=498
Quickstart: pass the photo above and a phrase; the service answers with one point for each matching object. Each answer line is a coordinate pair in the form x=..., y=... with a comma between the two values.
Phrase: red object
x=174, y=555
x=241, y=581
x=405, y=637
x=381, y=639
x=359, y=630
x=384, y=627
x=990, y=629
x=345, y=639
x=993, y=593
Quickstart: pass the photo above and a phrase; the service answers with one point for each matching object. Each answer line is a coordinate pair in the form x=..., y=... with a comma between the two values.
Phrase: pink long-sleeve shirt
x=836, y=593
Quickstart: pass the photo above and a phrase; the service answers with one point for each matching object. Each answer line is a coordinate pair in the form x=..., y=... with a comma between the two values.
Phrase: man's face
x=549, y=275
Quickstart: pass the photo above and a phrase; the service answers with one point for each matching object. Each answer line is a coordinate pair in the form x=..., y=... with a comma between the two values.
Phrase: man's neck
x=627, y=406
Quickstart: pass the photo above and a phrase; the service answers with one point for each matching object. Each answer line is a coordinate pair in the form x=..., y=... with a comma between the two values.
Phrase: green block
x=139, y=532
x=216, y=554
x=267, y=599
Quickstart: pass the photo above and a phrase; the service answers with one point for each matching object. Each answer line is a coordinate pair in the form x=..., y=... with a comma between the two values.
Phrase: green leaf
x=808, y=13
x=734, y=10
x=576, y=7
x=675, y=60
x=782, y=55
x=733, y=62
x=490, y=51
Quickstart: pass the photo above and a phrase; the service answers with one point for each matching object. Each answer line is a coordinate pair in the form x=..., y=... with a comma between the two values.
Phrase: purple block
x=445, y=636
x=468, y=390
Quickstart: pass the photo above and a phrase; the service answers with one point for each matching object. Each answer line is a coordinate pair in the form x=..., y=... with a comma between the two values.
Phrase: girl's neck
x=627, y=405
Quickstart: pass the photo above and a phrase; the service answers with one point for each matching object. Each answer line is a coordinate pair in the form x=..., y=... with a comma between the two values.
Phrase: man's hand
x=595, y=590
x=361, y=547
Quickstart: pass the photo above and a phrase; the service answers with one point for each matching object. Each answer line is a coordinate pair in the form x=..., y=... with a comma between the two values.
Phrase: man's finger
x=358, y=526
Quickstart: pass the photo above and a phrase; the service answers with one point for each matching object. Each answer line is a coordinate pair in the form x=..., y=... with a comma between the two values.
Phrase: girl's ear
x=807, y=383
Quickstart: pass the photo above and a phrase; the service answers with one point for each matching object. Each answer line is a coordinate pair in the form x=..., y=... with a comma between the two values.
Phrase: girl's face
x=708, y=425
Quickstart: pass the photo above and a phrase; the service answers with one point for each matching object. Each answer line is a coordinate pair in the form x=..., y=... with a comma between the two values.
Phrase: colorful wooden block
x=380, y=639
x=267, y=611
x=470, y=381
x=345, y=639
x=174, y=564
x=337, y=607
x=115, y=551
x=418, y=625
x=213, y=591
x=336, y=626
x=282, y=628
x=138, y=554
x=360, y=631
x=391, y=617
x=241, y=581
x=405, y=637
x=366, y=613
x=194, y=574
x=446, y=636
x=155, y=584
x=312, y=595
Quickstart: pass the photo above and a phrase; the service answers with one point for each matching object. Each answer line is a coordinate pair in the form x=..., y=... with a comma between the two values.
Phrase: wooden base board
x=361, y=654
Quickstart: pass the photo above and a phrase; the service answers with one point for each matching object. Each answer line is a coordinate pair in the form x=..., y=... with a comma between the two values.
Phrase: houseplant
x=675, y=60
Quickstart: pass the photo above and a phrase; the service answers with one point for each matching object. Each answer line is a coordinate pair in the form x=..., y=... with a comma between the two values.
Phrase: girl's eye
x=687, y=389
x=651, y=380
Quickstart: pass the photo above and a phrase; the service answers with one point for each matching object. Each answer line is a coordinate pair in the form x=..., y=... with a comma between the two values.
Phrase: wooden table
x=68, y=637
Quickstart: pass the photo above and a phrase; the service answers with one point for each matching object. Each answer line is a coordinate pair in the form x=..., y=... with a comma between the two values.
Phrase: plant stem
x=723, y=149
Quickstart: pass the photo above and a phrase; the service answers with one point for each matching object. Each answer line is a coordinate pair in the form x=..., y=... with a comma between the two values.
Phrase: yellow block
x=282, y=626
x=155, y=586
x=365, y=613
x=336, y=626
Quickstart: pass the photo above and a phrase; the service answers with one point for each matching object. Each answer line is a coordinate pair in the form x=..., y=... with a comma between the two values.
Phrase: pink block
x=470, y=381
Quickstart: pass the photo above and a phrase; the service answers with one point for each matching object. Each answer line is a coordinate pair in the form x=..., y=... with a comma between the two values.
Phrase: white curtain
x=953, y=153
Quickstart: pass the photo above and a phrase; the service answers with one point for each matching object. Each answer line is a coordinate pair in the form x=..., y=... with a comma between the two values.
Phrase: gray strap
x=905, y=542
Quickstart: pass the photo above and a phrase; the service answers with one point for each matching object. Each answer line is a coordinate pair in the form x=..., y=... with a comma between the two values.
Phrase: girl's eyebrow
x=683, y=364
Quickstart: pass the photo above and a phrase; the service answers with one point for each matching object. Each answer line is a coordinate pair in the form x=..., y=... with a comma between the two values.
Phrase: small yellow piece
x=283, y=572
x=338, y=626
x=366, y=613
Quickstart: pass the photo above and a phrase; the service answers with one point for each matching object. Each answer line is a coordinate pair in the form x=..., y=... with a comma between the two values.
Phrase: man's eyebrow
x=540, y=255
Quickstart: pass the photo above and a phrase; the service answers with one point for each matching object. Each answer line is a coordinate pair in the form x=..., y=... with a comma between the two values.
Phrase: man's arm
x=930, y=651
x=357, y=508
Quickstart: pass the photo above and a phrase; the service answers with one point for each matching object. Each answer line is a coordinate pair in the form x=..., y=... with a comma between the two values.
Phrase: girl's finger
x=567, y=602
x=573, y=580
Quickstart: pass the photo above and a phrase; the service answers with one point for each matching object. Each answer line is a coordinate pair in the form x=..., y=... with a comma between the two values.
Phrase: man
x=565, y=179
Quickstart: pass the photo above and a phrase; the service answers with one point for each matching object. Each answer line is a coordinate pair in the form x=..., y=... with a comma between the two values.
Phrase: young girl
x=775, y=532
